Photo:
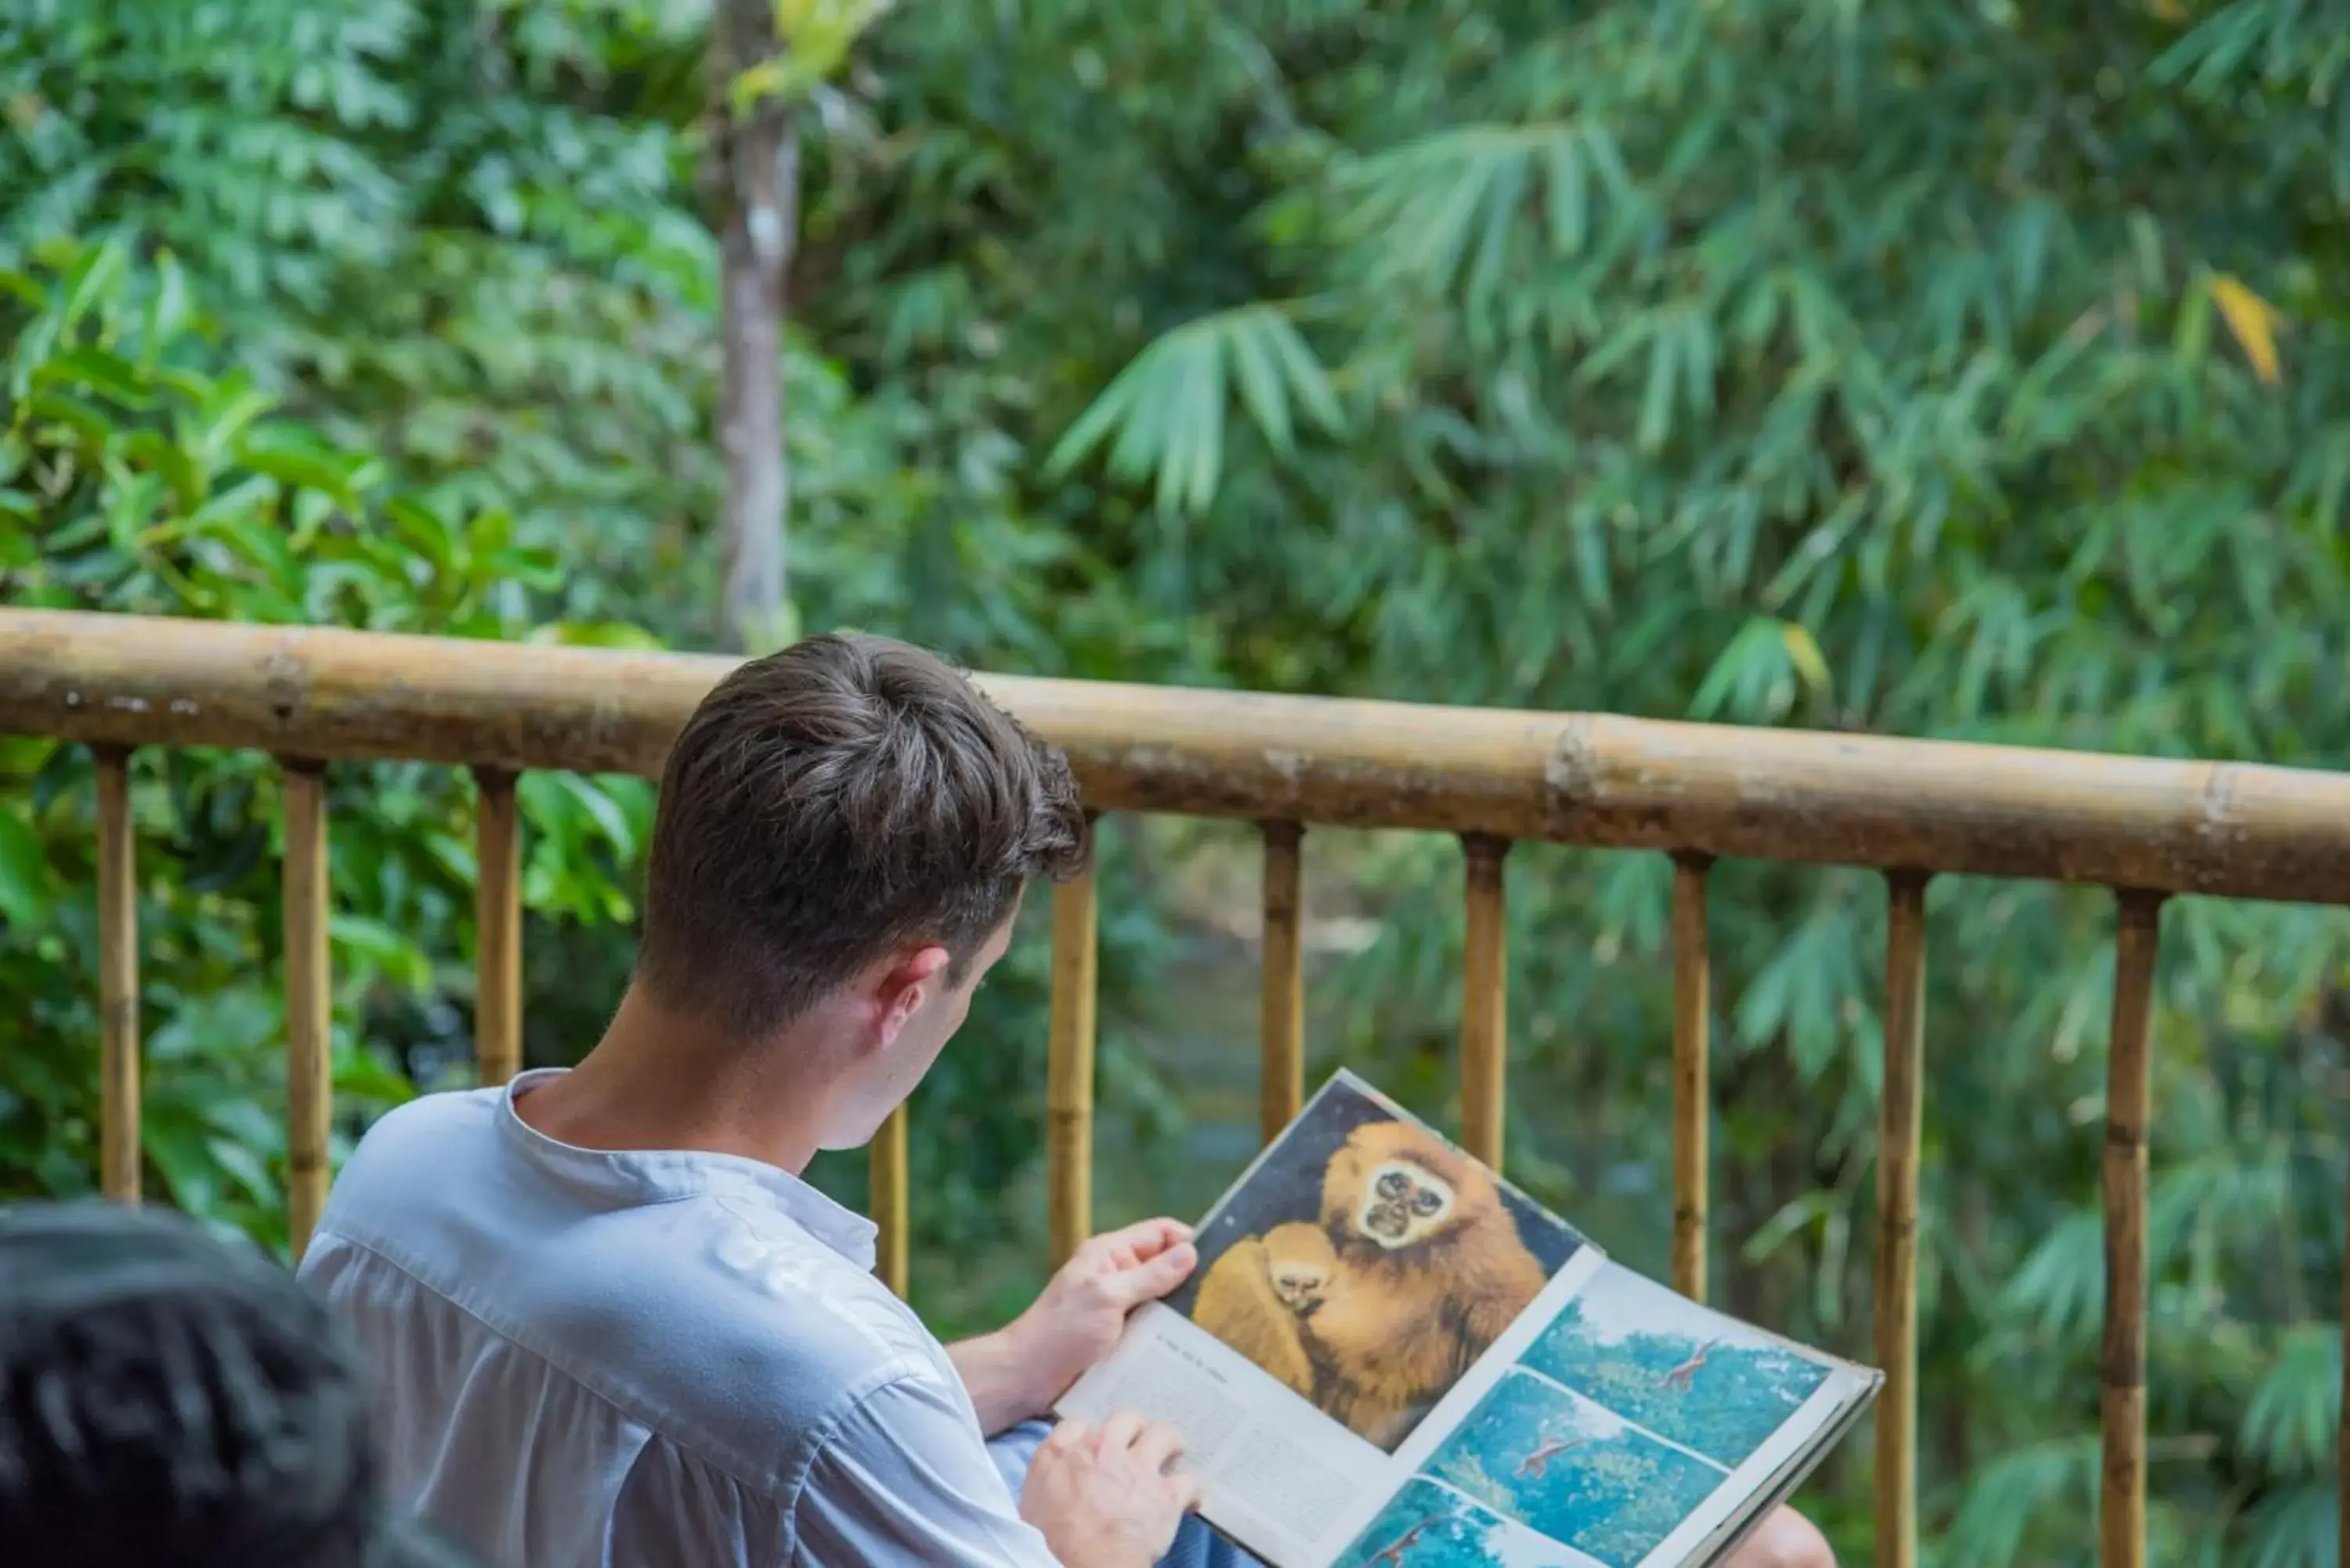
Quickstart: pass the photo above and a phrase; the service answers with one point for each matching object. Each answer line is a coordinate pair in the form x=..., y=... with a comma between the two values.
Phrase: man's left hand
x=1020, y=1370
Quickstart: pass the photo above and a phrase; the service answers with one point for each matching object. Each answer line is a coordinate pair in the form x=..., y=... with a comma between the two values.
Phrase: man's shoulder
x=712, y=1319
x=766, y=1289
x=722, y=1327
x=419, y=1158
x=431, y=1130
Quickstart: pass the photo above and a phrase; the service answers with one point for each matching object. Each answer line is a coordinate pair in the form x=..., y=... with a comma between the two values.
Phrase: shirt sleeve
x=905, y=1478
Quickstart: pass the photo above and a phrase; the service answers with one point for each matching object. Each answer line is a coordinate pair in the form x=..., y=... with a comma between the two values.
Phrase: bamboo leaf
x=1261, y=391
x=2292, y=1417
x=25, y=885
x=1167, y=408
x=2251, y=320
x=1803, y=654
x=1307, y=380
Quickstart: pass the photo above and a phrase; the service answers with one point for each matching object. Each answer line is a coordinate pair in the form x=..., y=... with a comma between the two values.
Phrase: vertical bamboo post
x=2121, y=1502
x=1484, y=1000
x=1069, y=1068
x=309, y=1013
x=1899, y=1115
x=1692, y=1080
x=117, y=979
x=1284, y=1017
x=497, y=925
x=889, y=1184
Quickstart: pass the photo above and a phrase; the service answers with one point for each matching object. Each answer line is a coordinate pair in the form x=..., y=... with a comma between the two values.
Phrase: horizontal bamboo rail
x=2145, y=827
x=2230, y=829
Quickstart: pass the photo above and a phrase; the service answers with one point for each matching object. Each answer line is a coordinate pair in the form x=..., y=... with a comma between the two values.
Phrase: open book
x=1389, y=1358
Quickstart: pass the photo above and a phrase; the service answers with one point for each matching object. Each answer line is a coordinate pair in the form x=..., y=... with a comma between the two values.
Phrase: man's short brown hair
x=828, y=803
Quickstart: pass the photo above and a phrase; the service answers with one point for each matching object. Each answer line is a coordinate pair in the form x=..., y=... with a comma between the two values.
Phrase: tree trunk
x=753, y=177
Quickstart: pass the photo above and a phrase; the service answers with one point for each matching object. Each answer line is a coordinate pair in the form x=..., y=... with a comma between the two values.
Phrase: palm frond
x=2295, y=1415
x=2005, y=1496
x=1167, y=406
x=1453, y=200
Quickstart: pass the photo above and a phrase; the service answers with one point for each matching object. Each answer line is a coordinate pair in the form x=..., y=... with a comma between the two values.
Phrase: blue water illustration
x=1429, y=1527
x=1667, y=1364
x=1572, y=1471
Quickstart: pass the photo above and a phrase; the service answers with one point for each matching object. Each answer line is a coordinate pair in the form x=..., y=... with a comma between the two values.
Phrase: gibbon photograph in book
x=1367, y=1264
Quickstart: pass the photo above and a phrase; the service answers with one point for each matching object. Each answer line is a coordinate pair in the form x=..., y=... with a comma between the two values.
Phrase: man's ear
x=908, y=980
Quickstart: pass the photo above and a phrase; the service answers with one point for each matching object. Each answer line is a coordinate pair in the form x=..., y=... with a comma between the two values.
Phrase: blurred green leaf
x=25, y=885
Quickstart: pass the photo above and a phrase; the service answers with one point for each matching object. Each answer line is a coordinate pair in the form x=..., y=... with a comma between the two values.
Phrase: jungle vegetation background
x=1955, y=367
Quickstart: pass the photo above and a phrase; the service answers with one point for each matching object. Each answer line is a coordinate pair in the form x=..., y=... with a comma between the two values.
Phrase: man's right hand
x=1108, y=1497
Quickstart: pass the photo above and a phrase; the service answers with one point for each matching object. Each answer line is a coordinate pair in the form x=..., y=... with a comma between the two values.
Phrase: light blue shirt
x=646, y=1360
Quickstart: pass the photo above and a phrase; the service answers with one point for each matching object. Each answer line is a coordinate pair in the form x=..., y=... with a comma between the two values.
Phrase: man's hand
x=1019, y=1371
x=1108, y=1497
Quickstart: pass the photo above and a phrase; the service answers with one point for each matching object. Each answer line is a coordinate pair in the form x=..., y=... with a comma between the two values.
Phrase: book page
x=1367, y=1262
x=1618, y=1422
x=1386, y=1349
x=1347, y=1282
x=1430, y=1522
x=1735, y=1526
x=1277, y=1476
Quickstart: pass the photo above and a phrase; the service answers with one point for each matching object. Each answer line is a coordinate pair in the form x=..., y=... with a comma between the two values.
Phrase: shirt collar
x=663, y=1175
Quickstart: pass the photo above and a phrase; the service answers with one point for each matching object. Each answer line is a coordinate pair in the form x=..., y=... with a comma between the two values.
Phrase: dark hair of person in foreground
x=171, y=1400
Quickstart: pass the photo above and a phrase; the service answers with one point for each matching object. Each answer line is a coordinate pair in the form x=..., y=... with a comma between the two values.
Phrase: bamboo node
x=1485, y=846
x=1572, y=770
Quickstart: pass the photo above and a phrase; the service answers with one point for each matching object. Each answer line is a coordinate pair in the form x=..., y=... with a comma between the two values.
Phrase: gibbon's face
x=1401, y=1203
x=1393, y=1186
x=1298, y=1263
x=1299, y=1285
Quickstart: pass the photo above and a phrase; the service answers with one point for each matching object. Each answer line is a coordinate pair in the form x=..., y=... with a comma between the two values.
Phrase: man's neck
x=661, y=1080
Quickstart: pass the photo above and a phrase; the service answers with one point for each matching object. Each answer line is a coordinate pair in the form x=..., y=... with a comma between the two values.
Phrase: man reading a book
x=615, y=1329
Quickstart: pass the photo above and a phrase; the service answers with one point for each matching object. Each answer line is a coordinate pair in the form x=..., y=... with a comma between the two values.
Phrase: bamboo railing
x=1911, y=809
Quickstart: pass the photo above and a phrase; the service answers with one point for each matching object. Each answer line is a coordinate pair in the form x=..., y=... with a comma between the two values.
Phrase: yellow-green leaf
x=1803, y=654
x=2252, y=320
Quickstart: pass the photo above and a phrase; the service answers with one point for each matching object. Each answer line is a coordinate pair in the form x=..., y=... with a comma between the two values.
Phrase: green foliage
x=815, y=38
x=453, y=235
x=141, y=477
